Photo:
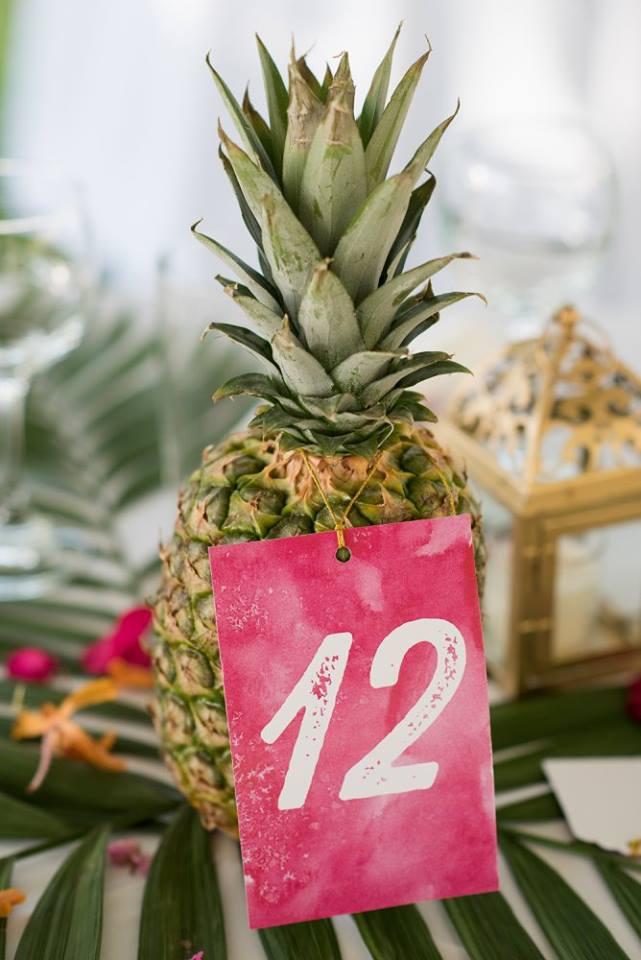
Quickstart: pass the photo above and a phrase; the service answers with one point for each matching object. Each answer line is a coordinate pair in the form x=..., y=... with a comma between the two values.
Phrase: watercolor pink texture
x=358, y=712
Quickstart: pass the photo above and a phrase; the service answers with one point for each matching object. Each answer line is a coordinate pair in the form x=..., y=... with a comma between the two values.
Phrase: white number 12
x=316, y=693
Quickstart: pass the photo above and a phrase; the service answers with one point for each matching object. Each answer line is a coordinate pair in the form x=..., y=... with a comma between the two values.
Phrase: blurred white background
x=116, y=93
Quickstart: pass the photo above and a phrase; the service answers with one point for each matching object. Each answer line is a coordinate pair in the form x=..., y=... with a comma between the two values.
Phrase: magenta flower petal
x=125, y=642
x=31, y=664
x=96, y=657
x=633, y=700
x=128, y=853
x=131, y=630
x=199, y=956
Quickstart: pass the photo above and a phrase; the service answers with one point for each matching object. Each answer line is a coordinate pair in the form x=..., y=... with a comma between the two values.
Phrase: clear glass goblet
x=43, y=292
x=535, y=199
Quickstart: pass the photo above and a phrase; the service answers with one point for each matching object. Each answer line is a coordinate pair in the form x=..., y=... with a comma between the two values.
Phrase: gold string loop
x=340, y=522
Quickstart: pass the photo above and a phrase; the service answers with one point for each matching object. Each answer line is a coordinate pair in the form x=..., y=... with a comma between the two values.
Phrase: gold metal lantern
x=551, y=433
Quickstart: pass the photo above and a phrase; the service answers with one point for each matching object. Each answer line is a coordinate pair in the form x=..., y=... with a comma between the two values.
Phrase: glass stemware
x=43, y=289
x=535, y=199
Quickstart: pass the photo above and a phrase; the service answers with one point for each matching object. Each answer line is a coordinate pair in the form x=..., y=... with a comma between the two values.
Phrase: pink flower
x=123, y=643
x=199, y=956
x=31, y=664
x=633, y=700
x=128, y=853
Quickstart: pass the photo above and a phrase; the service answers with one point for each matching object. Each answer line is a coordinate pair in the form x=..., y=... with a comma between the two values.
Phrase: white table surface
x=123, y=893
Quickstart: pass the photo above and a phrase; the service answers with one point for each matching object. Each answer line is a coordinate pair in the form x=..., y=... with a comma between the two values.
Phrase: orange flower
x=61, y=737
x=634, y=846
x=129, y=675
x=9, y=899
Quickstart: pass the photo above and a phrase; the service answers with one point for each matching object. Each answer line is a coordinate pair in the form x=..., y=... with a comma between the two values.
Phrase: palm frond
x=102, y=438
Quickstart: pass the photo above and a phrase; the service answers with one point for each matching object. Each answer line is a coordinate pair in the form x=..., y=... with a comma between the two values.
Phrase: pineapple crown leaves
x=332, y=310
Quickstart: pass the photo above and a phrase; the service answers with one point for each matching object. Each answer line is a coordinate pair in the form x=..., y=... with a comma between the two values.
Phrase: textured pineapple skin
x=249, y=488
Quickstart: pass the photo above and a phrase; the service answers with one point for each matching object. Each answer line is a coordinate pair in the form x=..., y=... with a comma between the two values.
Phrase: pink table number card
x=358, y=711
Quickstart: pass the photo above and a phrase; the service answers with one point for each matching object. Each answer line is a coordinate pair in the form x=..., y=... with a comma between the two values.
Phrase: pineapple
x=331, y=313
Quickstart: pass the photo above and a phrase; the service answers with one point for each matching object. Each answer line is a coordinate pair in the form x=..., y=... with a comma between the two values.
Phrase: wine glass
x=535, y=199
x=43, y=290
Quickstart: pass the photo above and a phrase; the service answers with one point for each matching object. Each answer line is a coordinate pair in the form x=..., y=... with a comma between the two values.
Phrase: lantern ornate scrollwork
x=551, y=432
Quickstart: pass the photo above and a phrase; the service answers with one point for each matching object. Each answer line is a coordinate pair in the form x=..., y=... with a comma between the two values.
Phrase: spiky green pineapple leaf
x=250, y=277
x=273, y=419
x=328, y=77
x=246, y=338
x=362, y=250
x=310, y=78
x=364, y=247
x=327, y=407
x=359, y=369
x=302, y=373
x=421, y=196
x=376, y=96
x=265, y=321
x=277, y=101
x=409, y=322
x=334, y=183
x=327, y=319
x=438, y=368
x=376, y=313
x=425, y=151
x=251, y=385
x=291, y=252
x=260, y=125
x=381, y=146
x=409, y=408
x=418, y=363
x=252, y=225
x=304, y=114
x=245, y=129
x=342, y=85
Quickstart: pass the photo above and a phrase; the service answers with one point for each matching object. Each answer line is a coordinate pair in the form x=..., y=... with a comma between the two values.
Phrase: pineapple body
x=250, y=488
x=330, y=312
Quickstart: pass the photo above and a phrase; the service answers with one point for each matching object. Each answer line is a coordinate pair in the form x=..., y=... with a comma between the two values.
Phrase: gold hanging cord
x=341, y=522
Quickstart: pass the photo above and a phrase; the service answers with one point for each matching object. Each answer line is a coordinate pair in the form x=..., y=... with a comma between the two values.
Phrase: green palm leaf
x=620, y=738
x=67, y=921
x=542, y=807
x=575, y=931
x=525, y=721
x=625, y=890
x=396, y=933
x=314, y=941
x=19, y=820
x=73, y=785
x=488, y=927
x=182, y=912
